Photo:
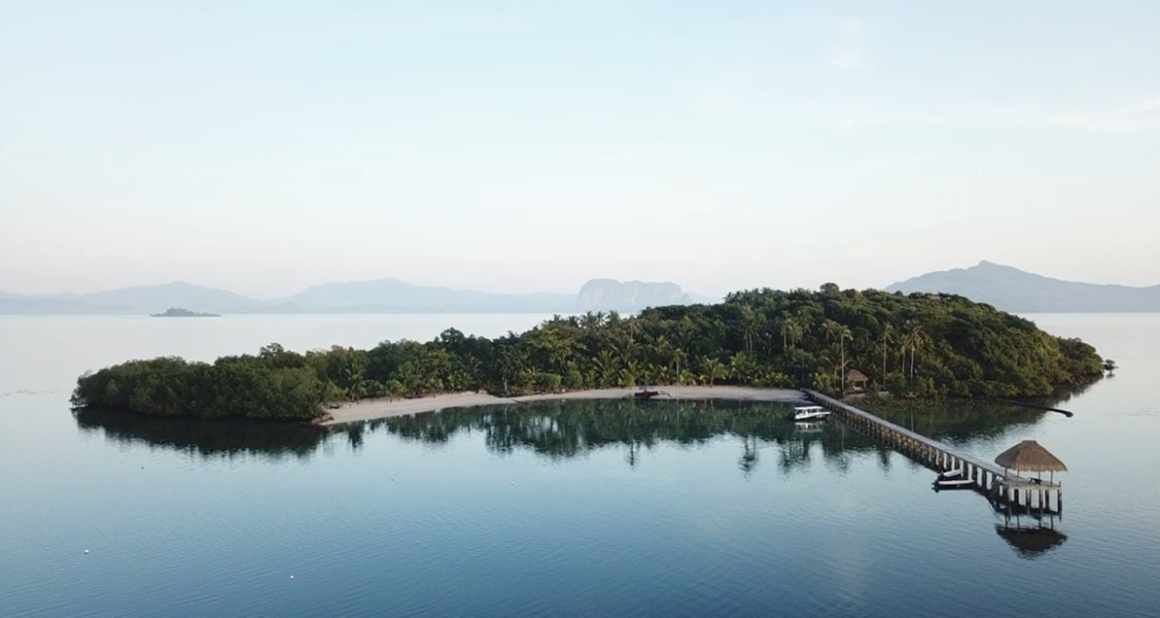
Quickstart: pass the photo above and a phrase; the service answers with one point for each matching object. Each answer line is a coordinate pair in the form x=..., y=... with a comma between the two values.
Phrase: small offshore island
x=831, y=340
x=178, y=312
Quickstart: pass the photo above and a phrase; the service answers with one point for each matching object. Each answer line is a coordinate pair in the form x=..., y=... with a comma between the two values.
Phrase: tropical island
x=833, y=340
x=178, y=312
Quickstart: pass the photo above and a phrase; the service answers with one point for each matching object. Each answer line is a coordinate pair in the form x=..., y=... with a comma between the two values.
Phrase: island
x=1011, y=289
x=831, y=340
x=178, y=312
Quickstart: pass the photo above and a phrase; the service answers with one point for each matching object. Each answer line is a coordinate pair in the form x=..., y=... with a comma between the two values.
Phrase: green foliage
x=922, y=345
x=231, y=387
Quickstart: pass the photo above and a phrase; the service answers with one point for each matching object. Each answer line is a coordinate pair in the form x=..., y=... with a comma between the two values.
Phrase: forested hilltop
x=923, y=344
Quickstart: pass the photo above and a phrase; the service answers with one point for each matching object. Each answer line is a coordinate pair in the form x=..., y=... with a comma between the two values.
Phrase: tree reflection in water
x=207, y=438
x=561, y=430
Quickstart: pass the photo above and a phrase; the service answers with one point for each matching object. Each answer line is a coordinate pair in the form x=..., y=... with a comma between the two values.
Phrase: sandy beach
x=369, y=409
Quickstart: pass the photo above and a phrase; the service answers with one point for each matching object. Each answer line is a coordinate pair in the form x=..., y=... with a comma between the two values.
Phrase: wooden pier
x=999, y=484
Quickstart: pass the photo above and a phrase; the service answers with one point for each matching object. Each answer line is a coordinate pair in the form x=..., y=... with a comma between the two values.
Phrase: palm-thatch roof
x=856, y=376
x=1029, y=456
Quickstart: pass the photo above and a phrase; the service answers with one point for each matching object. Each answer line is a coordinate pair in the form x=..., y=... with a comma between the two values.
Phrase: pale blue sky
x=518, y=146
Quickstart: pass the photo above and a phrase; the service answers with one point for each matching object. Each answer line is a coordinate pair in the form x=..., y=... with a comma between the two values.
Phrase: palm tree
x=918, y=341
x=591, y=321
x=625, y=349
x=358, y=388
x=678, y=356
x=750, y=325
x=663, y=350
x=791, y=332
x=741, y=367
x=885, y=339
x=630, y=375
x=837, y=365
x=605, y=364
x=804, y=319
x=712, y=370
x=830, y=330
x=841, y=332
x=684, y=334
x=769, y=345
x=557, y=346
x=913, y=340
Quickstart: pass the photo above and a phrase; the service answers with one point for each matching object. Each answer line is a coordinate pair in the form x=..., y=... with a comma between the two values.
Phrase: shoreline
x=371, y=409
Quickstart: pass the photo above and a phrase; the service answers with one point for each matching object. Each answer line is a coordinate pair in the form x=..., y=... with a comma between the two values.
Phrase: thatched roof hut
x=1029, y=456
x=857, y=379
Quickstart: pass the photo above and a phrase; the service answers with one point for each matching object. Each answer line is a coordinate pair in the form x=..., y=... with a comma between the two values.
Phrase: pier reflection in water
x=571, y=429
x=555, y=430
x=566, y=429
x=1031, y=537
x=689, y=520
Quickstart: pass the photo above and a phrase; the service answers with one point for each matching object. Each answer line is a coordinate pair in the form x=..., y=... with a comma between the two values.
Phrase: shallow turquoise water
x=581, y=509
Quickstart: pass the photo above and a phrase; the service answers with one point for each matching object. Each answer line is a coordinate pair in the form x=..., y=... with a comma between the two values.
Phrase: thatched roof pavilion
x=857, y=379
x=1029, y=456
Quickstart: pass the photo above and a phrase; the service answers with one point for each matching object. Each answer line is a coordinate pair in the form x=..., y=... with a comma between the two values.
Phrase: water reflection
x=561, y=430
x=1031, y=541
x=567, y=429
x=207, y=438
x=957, y=422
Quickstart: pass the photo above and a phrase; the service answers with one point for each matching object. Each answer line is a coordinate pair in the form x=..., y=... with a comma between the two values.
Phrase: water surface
x=553, y=509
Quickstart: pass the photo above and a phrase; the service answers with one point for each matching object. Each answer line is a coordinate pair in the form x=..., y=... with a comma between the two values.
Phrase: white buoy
x=86, y=551
x=291, y=577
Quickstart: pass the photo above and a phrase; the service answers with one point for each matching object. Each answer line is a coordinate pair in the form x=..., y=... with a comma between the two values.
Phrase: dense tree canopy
x=922, y=344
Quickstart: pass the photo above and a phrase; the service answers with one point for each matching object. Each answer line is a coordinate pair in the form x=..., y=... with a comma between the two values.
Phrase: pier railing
x=990, y=478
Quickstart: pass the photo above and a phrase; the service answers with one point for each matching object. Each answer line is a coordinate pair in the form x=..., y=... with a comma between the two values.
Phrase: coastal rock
x=628, y=296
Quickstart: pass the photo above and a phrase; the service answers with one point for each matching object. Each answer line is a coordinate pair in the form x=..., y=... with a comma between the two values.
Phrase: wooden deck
x=989, y=478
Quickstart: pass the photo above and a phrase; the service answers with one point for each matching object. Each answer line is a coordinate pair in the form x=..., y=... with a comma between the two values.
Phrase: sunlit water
x=584, y=509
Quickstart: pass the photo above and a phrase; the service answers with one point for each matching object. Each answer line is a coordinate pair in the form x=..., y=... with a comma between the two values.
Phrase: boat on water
x=645, y=393
x=940, y=485
x=809, y=413
x=952, y=479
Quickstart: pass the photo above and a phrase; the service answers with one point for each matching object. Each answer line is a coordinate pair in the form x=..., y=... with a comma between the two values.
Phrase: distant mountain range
x=1010, y=289
x=394, y=296
x=380, y=296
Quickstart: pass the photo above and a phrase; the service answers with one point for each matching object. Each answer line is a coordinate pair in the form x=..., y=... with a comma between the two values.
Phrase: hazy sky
x=518, y=146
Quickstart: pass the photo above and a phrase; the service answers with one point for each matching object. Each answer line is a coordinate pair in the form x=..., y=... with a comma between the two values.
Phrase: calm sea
x=579, y=509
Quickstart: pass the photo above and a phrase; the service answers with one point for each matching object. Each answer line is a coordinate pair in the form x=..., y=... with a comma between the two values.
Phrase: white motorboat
x=960, y=483
x=809, y=413
x=953, y=479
